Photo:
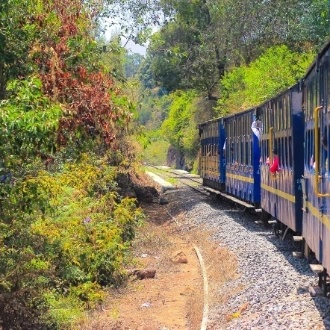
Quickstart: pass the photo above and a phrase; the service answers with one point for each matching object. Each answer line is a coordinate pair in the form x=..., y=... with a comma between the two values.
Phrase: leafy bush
x=245, y=86
x=64, y=236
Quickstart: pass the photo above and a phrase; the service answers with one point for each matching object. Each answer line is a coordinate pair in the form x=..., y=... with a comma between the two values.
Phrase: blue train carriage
x=281, y=162
x=211, y=163
x=316, y=179
x=242, y=157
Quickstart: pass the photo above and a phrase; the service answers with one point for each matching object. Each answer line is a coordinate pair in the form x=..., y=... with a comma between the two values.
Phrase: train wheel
x=264, y=217
x=276, y=229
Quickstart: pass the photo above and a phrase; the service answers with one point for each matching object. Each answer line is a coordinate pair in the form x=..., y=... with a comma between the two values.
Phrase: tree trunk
x=2, y=81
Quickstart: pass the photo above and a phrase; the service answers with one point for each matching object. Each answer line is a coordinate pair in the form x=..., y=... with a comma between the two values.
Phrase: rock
x=179, y=257
x=163, y=201
x=142, y=274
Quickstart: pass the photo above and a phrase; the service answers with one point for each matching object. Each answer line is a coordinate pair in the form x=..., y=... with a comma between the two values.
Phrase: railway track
x=274, y=281
x=196, y=183
x=181, y=178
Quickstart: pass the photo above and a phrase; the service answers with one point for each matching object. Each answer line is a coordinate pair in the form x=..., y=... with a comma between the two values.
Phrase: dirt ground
x=174, y=298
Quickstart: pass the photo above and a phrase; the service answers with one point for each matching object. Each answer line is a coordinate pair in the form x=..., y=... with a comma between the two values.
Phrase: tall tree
x=201, y=39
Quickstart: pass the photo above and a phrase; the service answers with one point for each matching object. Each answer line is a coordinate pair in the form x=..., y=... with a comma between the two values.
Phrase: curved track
x=184, y=178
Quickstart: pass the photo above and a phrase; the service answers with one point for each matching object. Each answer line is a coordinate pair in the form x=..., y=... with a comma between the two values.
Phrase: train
x=273, y=159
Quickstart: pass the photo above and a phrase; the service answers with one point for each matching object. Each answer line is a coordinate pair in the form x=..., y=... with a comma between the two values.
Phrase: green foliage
x=278, y=68
x=28, y=120
x=17, y=32
x=153, y=108
x=65, y=231
x=155, y=151
x=180, y=128
x=72, y=239
x=132, y=64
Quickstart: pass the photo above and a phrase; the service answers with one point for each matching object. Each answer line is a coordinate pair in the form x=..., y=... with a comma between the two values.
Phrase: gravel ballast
x=274, y=285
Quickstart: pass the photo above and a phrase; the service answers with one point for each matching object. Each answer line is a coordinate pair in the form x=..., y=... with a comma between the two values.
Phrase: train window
x=283, y=123
x=286, y=152
x=312, y=99
x=328, y=84
x=267, y=116
x=250, y=153
x=276, y=147
x=283, y=116
x=287, y=111
x=242, y=124
x=316, y=96
x=279, y=115
x=281, y=112
x=247, y=153
x=265, y=154
x=262, y=149
x=327, y=133
x=325, y=144
x=242, y=152
x=309, y=98
x=310, y=149
x=281, y=153
x=285, y=146
x=290, y=152
x=307, y=151
x=232, y=153
x=276, y=114
x=310, y=157
x=283, y=120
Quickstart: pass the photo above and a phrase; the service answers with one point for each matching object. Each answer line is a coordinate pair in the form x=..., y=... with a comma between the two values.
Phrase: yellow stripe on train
x=239, y=177
x=278, y=192
x=317, y=214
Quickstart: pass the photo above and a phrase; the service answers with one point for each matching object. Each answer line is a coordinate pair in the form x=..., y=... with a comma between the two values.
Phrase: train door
x=273, y=147
x=222, y=153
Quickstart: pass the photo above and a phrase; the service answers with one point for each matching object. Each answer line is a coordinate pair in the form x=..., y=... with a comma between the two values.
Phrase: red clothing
x=274, y=167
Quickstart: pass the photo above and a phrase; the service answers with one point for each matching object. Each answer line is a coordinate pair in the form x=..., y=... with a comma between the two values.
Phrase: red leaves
x=85, y=94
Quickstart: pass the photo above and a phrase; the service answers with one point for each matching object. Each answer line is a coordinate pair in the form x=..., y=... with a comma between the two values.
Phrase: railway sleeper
x=301, y=253
x=323, y=277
